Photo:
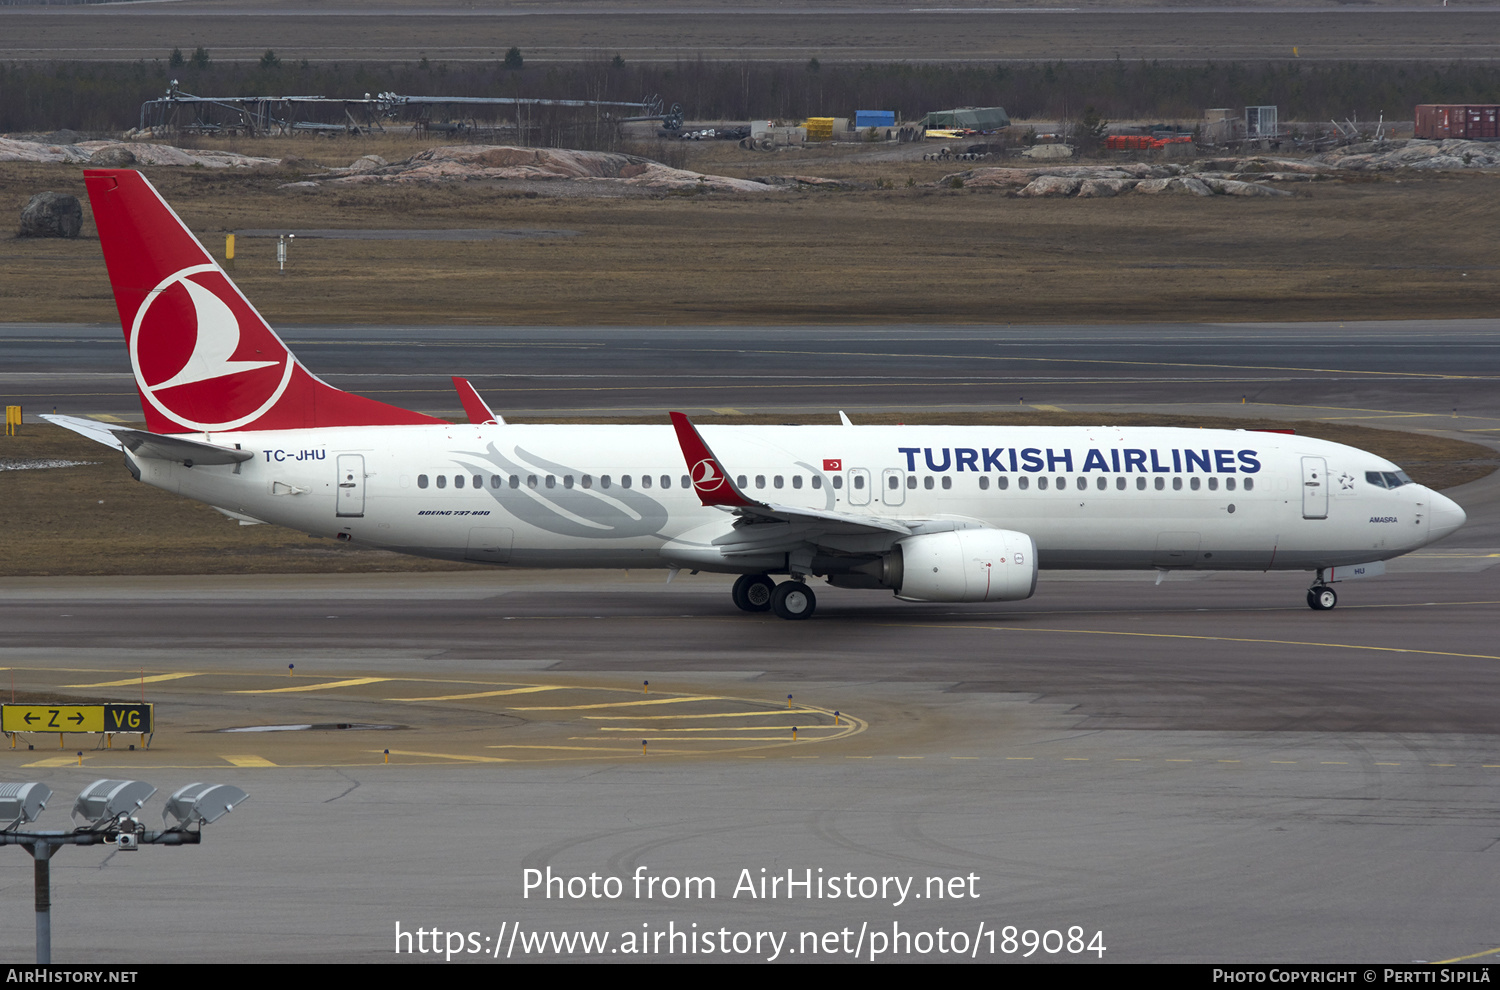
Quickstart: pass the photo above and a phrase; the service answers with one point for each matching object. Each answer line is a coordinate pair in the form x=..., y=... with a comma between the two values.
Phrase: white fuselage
x=619, y=496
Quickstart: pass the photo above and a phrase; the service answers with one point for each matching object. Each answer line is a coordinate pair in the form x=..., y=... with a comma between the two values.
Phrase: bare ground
x=1413, y=246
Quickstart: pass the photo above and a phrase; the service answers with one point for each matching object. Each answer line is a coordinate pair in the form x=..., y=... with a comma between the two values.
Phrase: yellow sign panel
x=77, y=718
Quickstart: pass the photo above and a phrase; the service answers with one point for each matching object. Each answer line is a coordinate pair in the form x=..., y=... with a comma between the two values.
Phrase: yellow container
x=819, y=128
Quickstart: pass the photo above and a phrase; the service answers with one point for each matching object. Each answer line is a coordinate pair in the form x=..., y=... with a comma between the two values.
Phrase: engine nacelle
x=967, y=565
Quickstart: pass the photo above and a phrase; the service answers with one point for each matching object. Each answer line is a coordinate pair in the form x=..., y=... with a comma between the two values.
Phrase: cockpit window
x=1387, y=479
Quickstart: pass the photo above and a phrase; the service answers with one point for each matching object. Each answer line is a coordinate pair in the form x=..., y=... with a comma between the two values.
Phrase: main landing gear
x=788, y=600
x=1321, y=598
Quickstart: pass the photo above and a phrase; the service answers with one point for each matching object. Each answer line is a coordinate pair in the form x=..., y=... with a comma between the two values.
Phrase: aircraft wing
x=799, y=525
x=159, y=446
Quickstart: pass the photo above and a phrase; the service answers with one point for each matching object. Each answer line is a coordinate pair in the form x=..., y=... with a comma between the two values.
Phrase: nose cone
x=1446, y=517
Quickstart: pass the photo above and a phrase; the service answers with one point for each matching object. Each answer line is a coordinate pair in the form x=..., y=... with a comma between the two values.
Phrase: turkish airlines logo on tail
x=202, y=356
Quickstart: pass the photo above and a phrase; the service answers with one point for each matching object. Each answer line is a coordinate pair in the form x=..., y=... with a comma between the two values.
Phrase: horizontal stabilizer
x=154, y=445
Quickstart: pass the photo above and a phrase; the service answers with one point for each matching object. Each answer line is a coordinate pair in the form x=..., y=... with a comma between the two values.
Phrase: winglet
x=710, y=480
x=475, y=408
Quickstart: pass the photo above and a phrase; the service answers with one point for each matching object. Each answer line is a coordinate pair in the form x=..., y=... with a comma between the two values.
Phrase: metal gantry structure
x=286, y=115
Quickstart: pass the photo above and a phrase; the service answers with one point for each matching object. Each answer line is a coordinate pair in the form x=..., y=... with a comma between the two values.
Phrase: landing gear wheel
x=793, y=600
x=1321, y=599
x=752, y=593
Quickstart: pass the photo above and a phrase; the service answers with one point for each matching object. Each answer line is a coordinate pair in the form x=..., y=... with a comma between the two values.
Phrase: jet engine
x=967, y=565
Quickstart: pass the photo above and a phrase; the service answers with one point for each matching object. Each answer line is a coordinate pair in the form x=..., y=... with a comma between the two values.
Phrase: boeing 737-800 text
x=936, y=514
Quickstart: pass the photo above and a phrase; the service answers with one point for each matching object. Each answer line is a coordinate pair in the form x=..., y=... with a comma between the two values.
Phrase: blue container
x=874, y=118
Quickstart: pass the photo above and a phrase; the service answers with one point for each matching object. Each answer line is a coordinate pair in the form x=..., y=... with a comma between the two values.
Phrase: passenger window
x=1101, y=483
x=551, y=481
x=838, y=482
x=604, y=481
x=1176, y=484
x=760, y=481
x=567, y=481
x=479, y=481
x=796, y=481
x=587, y=481
x=947, y=481
x=984, y=483
x=515, y=481
x=1161, y=484
x=531, y=481
x=624, y=481
x=778, y=481
x=927, y=482
x=494, y=481
x=442, y=481
x=740, y=481
x=1213, y=484
x=421, y=481
x=1228, y=484
x=458, y=481
x=1041, y=484
x=1249, y=484
x=1062, y=484
x=645, y=481
x=859, y=482
x=1140, y=484
x=817, y=482
x=1120, y=484
x=911, y=481
x=687, y=482
x=1022, y=482
x=1002, y=482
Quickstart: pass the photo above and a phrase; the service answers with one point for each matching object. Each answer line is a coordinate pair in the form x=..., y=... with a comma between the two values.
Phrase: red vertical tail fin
x=204, y=359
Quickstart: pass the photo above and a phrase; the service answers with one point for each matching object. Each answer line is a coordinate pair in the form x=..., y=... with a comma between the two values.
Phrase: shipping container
x=874, y=118
x=1473, y=122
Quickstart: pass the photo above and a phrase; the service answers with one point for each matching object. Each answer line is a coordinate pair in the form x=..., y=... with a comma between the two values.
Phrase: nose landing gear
x=1321, y=598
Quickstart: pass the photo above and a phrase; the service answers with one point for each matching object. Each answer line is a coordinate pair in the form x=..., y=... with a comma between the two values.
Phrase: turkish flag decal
x=833, y=464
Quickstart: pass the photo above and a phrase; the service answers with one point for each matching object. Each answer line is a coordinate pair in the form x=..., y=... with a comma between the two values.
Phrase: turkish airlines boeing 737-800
x=937, y=514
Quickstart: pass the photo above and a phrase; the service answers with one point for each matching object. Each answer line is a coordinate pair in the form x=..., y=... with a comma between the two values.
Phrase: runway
x=1203, y=770
x=1362, y=370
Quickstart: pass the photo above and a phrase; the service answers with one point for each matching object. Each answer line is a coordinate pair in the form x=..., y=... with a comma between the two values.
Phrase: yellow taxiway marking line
x=325, y=686
x=133, y=680
x=911, y=757
x=767, y=711
x=718, y=728
x=963, y=757
x=1477, y=955
x=1442, y=764
x=1382, y=764
x=1127, y=759
x=592, y=749
x=727, y=411
x=1209, y=639
x=248, y=761
x=1227, y=761
x=1283, y=761
x=487, y=694
x=1170, y=760
x=775, y=739
x=55, y=761
x=1082, y=759
x=859, y=757
x=1334, y=763
x=448, y=756
x=1020, y=757
x=620, y=704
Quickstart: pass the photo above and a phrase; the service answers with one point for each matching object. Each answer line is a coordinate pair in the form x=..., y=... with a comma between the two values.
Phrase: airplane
x=929, y=513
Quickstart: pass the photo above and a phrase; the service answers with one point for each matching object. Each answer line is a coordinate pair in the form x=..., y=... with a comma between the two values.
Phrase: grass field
x=95, y=520
x=1418, y=246
x=882, y=31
